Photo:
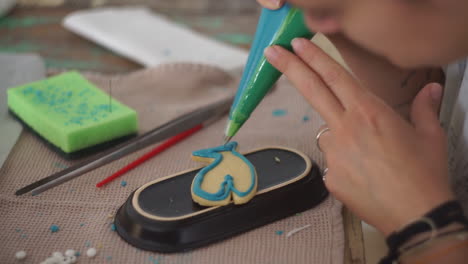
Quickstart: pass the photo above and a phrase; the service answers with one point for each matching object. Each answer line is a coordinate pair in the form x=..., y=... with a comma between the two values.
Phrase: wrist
x=444, y=216
x=450, y=245
x=414, y=211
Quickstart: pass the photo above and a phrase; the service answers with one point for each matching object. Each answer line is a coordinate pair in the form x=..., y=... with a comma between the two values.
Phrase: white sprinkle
x=54, y=260
x=277, y=159
x=69, y=260
x=91, y=252
x=295, y=230
x=70, y=252
x=20, y=254
x=57, y=254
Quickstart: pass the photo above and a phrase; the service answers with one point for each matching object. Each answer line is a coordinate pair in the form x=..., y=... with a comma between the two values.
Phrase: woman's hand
x=387, y=170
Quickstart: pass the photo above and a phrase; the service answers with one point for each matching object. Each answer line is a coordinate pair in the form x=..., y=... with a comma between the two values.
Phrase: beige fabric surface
x=160, y=94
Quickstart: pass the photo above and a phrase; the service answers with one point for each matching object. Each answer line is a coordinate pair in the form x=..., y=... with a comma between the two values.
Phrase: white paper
x=150, y=39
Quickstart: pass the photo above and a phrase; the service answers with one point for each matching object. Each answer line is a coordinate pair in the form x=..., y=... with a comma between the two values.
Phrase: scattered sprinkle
x=305, y=118
x=24, y=236
x=54, y=228
x=123, y=183
x=18, y=230
x=91, y=252
x=70, y=252
x=69, y=259
x=60, y=165
x=154, y=260
x=87, y=244
x=113, y=228
x=166, y=52
x=279, y=232
x=82, y=224
x=277, y=159
x=77, y=253
x=20, y=254
x=279, y=112
x=57, y=254
x=54, y=260
x=109, y=258
x=295, y=230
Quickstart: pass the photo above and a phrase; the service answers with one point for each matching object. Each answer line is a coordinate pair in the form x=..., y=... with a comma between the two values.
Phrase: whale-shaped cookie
x=229, y=176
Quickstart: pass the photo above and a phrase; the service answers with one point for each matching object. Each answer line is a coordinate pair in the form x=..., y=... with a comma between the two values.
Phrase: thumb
x=425, y=109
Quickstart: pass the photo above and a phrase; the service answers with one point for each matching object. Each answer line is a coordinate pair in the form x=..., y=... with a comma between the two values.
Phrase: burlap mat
x=160, y=94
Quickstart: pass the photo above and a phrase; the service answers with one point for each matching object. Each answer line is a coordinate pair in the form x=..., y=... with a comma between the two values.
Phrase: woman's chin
x=324, y=26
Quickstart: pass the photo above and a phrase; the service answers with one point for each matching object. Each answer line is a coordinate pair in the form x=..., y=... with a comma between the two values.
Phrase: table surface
x=38, y=30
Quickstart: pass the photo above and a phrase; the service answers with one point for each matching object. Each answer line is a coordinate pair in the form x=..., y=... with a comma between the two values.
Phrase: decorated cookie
x=229, y=176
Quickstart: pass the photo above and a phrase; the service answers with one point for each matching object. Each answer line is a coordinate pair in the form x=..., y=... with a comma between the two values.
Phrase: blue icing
x=227, y=185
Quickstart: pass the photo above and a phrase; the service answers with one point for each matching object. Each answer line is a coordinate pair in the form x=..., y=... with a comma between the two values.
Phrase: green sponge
x=70, y=112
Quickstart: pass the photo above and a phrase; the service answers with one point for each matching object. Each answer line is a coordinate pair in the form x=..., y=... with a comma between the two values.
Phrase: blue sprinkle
x=166, y=52
x=54, y=228
x=87, y=244
x=113, y=227
x=82, y=224
x=279, y=232
x=60, y=165
x=18, y=230
x=305, y=118
x=24, y=236
x=77, y=253
x=154, y=260
x=109, y=258
x=123, y=183
x=279, y=112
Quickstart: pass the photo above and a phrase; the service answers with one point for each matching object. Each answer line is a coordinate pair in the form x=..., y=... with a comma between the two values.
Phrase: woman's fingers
x=307, y=82
x=425, y=109
x=271, y=4
x=343, y=85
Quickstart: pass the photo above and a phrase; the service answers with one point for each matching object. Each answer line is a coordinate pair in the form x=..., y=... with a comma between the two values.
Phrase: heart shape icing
x=229, y=176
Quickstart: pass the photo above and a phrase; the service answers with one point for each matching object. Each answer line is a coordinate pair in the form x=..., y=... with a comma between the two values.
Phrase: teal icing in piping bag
x=275, y=27
x=227, y=185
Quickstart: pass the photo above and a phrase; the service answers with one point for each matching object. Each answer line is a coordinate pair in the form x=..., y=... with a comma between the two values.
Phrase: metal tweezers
x=205, y=114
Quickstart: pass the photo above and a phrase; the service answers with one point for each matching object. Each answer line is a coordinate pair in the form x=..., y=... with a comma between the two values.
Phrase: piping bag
x=275, y=27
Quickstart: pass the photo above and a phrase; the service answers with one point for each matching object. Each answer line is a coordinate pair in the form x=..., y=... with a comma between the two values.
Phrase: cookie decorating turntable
x=161, y=216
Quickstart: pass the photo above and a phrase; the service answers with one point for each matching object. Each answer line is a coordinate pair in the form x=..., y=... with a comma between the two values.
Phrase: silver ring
x=319, y=134
x=324, y=173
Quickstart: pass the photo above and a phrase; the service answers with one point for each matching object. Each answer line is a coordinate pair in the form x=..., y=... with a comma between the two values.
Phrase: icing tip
x=226, y=140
